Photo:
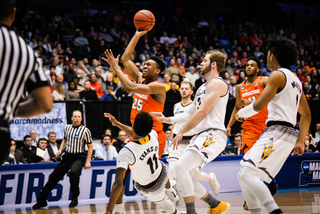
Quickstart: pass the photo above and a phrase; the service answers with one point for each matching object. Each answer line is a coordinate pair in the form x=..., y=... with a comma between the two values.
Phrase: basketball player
x=184, y=106
x=207, y=120
x=148, y=172
x=284, y=96
x=247, y=92
x=150, y=94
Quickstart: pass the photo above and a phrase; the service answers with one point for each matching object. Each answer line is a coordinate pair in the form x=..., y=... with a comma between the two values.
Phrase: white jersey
x=215, y=118
x=142, y=157
x=284, y=105
x=180, y=109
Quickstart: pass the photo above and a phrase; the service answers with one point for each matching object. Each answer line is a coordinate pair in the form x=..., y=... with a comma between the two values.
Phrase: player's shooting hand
x=159, y=116
x=228, y=130
x=110, y=58
x=298, y=148
x=112, y=119
x=176, y=141
x=245, y=102
x=141, y=33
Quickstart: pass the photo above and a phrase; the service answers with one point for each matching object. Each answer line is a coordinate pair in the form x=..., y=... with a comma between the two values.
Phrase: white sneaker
x=172, y=194
x=118, y=209
x=214, y=184
x=180, y=201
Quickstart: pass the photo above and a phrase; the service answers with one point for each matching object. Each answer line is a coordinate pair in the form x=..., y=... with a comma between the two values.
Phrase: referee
x=75, y=138
x=19, y=69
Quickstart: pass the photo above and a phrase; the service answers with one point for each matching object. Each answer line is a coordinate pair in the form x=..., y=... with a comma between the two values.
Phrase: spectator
x=168, y=141
x=57, y=94
x=237, y=145
x=232, y=87
x=200, y=81
x=226, y=77
x=173, y=94
x=100, y=78
x=174, y=73
x=81, y=77
x=82, y=43
x=87, y=93
x=310, y=95
x=317, y=133
x=192, y=76
x=108, y=132
x=94, y=86
x=105, y=151
x=29, y=151
x=122, y=94
x=244, y=58
x=42, y=150
x=242, y=77
x=60, y=79
x=121, y=141
x=72, y=93
x=53, y=147
x=300, y=76
x=15, y=155
x=110, y=88
x=33, y=134
x=180, y=66
x=309, y=144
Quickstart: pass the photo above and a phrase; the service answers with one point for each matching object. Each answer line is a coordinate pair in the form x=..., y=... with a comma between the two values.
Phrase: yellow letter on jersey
x=208, y=142
x=266, y=152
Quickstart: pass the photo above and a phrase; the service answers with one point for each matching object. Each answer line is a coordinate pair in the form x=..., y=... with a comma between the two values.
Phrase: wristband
x=247, y=111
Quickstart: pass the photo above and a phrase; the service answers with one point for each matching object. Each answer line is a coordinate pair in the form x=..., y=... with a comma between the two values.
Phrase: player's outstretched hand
x=240, y=119
x=176, y=141
x=110, y=58
x=160, y=117
x=112, y=119
x=298, y=148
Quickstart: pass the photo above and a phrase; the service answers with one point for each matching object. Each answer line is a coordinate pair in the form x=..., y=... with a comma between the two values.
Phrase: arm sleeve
x=184, y=116
x=88, y=136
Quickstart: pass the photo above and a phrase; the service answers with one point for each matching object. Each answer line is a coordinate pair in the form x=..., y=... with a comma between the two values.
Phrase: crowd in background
x=71, y=45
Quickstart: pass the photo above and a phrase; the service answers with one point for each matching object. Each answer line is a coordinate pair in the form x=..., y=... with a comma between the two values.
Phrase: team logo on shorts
x=267, y=151
x=310, y=173
x=208, y=142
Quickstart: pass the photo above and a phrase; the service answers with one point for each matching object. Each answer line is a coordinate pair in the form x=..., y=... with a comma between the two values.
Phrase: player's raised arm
x=126, y=57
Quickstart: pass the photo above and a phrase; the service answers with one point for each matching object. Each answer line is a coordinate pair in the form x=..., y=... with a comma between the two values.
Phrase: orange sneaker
x=222, y=208
x=245, y=206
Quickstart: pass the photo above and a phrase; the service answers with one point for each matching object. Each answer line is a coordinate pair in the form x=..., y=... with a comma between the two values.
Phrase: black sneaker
x=39, y=205
x=73, y=203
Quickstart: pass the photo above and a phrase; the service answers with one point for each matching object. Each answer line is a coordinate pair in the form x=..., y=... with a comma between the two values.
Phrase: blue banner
x=53, y=121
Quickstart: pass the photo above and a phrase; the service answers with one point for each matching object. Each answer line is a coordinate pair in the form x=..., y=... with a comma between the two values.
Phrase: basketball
x=144, y=20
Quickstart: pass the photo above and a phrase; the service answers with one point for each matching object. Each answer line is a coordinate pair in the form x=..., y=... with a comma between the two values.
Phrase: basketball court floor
x=295, y=201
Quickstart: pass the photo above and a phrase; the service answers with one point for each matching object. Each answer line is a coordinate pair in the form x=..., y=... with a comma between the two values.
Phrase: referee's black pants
x=5, y=140
x=74, y=162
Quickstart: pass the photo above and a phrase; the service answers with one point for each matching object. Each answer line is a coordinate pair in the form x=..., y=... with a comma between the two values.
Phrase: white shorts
x=177, y=153
x=269, y=153
x=209, y=144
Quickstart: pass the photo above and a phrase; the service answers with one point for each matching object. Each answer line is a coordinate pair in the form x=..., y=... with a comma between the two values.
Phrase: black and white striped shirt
x=76, y=138
x=19, y=68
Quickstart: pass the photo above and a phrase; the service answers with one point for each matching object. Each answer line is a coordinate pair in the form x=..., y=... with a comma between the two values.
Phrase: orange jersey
x=145, y=102
x=252, y=93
